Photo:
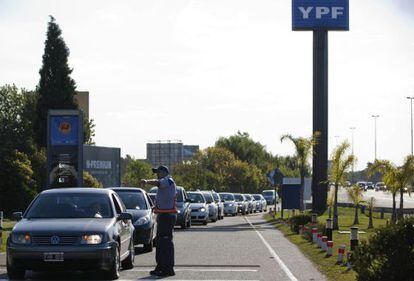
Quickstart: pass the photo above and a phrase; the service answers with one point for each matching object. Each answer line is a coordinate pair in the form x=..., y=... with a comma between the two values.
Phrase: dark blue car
x=140, y=206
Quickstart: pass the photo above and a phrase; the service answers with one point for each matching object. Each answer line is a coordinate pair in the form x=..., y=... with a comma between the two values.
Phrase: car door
x=123, y=227
x=152, y=214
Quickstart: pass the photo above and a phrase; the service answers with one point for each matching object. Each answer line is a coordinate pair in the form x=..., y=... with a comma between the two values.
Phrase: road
x=383, y=199
x=236, y=248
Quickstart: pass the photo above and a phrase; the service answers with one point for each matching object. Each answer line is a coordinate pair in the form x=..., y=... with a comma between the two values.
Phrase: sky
x=196, y=70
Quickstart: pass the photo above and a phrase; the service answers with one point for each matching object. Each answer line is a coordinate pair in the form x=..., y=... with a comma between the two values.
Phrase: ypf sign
x=320, y=14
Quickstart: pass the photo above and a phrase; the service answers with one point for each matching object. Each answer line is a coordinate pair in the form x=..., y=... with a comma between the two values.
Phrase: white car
x=219, y=203
x=230, y=205
x=212, y=205
x=261, y=202
x=199, y=207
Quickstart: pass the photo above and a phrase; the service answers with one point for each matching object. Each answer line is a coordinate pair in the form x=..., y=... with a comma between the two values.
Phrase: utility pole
x=375, y=124
x=411, y=101
x=352, y=145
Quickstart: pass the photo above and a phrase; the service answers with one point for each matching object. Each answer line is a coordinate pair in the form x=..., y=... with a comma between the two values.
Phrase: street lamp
x=375, y=121
x=411, y=101
x=352, y=143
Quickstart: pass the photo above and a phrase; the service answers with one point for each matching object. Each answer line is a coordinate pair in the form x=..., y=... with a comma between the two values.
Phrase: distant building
x=169, y=153
x=82, y=99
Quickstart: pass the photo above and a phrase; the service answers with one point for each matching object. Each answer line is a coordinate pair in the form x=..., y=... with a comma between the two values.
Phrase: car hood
x=197, y=205
x=67, y=226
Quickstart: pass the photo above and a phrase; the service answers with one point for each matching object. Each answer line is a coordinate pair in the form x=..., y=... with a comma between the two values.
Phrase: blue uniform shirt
x=166, y=196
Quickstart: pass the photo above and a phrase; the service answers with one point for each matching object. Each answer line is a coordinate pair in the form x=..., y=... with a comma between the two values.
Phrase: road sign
x=64, y=148
x=320, y=14
x=291, y=196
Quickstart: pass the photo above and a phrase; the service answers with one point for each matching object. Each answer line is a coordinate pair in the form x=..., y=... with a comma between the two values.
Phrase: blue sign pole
x=320, y=16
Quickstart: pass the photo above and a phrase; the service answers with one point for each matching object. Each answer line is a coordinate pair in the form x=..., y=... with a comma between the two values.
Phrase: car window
x=257, y=197
x=133, y=199
x=71, y=205
x=227, y=196
x=196, y=197
x=208, y=196
x=180, y=197
x=216, y=197
x=238, y=197
x=268, y=193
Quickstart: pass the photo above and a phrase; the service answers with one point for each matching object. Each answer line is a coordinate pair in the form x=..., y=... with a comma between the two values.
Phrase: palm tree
x=341, y=163
x=355, y=194
x=371, y=205
x=304, y=148
x=396, y=178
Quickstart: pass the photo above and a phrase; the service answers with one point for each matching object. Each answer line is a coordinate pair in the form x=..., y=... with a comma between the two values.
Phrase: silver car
x=219, y=203
x=261, y=204
x=242, y=204
x=199, y=207
x=212, y=206
x=252, y=203
x=230, y=204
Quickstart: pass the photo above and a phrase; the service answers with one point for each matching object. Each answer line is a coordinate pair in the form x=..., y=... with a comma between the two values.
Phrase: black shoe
x=166, y=273
x=155, y=272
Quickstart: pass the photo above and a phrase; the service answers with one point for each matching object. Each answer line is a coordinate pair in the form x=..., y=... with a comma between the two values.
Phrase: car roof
x=199, y=192
x=127, y=188
x=77, y=190
x=177, y=187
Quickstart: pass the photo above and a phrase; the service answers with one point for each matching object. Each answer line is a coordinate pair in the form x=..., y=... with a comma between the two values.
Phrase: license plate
x=53, y=257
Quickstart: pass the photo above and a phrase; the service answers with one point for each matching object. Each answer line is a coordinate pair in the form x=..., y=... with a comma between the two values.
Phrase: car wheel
x=233, y=215
x=189, y=223
x=205, y=222
x=14, y=272
x=149, y=247
x=184, y=225
x=128, y=263
x=114, y=272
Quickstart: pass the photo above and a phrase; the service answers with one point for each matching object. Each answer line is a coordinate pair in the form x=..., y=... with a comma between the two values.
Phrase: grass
x=7, y=227
x=326, y=265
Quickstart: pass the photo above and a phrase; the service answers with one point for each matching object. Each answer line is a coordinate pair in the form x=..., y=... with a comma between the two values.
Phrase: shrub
x=388, y=254
x=297, y=220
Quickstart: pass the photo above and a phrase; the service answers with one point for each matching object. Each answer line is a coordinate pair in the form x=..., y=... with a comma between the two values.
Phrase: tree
x=247, y=150
x=17, y=186
x=192, y=175
x=135, y=171
x=341, y=163
x=330, y=203
x=90, y=181
x=303, y=151
x=371, y=205
x=56, y=88
x=396, y=179
x=356, y=197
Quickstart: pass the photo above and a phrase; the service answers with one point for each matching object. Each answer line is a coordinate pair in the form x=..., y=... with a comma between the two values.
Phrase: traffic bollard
x=329, y=248
x=341, y=253
x=314, y=234
x=354, y=238
x=319, y=238
x=329, y=229
x=348, y=261
x=324, y=242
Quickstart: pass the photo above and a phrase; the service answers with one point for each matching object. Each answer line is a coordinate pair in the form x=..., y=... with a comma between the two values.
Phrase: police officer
x=165, y=207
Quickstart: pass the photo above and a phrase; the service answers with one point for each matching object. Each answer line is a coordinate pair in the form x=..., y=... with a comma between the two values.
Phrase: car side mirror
x=124, y=216
x=17, y=216
x=209, y=202
x=188, y=200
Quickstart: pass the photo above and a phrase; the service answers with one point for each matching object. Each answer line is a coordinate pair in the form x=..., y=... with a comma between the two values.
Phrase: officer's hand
x=143, y=181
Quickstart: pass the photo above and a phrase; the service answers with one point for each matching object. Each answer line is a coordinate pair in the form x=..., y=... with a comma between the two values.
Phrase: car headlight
x=21, y=238
x=203, y=209
x=142, y=220
x=92, y=239
x=178, y=211
x=230, y=205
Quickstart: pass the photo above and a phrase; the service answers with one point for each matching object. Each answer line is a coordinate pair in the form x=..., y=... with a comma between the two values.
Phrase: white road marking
x=201, y=270
x=273, y=253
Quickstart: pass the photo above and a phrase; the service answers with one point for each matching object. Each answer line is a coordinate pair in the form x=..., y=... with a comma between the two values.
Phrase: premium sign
x=320, y=14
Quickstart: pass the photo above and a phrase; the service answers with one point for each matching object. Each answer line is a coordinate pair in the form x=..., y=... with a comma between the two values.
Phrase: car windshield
x=268, y=193
x=238, y=197
x=227, y=196
x=134, y=200
x=71, y=205
x=257, y=197
x=208, y=196
x=248, y=197
x=196, y=197
x=216, y=197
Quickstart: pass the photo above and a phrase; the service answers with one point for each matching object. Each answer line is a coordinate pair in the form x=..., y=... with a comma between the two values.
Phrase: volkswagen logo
x=54, y=240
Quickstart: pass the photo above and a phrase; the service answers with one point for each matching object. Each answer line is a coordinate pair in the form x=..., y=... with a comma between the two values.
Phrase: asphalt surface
x=383, y=199
x=236, y=248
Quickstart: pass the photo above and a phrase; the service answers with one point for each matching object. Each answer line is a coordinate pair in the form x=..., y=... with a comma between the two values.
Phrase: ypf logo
x=54, y=240
x=65, y=127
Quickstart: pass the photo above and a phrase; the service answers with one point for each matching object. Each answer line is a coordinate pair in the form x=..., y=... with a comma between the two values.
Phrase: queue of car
x=98, y=229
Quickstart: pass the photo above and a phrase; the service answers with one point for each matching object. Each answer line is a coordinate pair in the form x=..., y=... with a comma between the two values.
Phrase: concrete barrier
x=341, y=254
x=329, y=248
